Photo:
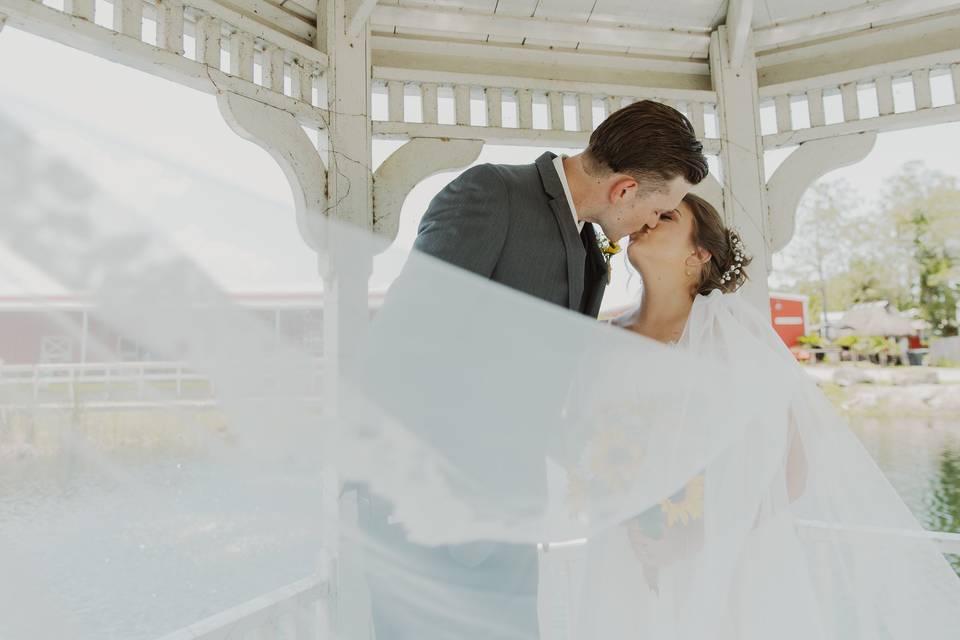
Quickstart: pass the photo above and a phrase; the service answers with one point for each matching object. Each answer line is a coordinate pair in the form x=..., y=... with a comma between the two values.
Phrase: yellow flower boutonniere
x=608, y=249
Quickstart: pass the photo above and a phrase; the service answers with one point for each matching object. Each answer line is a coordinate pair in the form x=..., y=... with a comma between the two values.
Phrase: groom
x=530, y=227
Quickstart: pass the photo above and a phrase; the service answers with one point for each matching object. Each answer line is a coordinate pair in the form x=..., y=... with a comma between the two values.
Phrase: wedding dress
x=481, y=415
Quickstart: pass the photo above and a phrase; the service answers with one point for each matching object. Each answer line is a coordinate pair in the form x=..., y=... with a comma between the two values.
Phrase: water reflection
x=921, y=458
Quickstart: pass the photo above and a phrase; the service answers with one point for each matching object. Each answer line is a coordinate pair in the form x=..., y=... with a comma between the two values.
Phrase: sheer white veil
x=482, y=416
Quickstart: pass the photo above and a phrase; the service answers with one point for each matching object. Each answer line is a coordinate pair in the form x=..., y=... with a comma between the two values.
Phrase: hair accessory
x=738, y=253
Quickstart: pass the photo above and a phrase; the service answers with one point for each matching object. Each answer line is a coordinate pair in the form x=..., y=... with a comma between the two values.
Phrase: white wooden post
x=128, y=17
x=494, y=97
x=954, y=73
x=346, y=275
x=585, y=111
x=741, y=155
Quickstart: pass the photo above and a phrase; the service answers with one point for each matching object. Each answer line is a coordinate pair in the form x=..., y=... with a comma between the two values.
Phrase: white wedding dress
x=799, y=535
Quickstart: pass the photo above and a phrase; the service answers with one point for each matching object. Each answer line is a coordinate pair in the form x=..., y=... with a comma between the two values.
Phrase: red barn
x=788, y=313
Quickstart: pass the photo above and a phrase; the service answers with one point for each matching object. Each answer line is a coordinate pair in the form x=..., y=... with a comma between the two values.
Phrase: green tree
x=924, y=207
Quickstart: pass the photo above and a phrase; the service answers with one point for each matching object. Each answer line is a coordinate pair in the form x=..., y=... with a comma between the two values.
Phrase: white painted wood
x=386, y=17
x=207, y=34
x=864, y=15
x=280, y=135
x=921, y=88
x=555, y=100
x=539, y=84
x=428, y=92
x=461, y=104
x=128, y=17
x=884, y=86
x=261, y=31
x=781, y=105
x=525, y=108
x=494, y=99
x=739, y=15
x=507, y=57
x=862, y=74
x=611, y=104
x=241, y=55
x=409, y=165
x=170, y=25
x=585, y=111
x=301, y=80
x=710, y=190
x=492, y=135
x=741, y=156
x=892, y=122
x=80, y=8
x=252, y=614
x=276, y=17
x=815, y=107
x=851, y=104
x=800, y=170
x=38, y=19
x=358, y=12
x=955, y=76
x=350, y=189
x=272, y=68
x=395, y=90
x=696, y=118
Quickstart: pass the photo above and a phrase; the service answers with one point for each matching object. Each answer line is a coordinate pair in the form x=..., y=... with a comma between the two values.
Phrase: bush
x=812, y=340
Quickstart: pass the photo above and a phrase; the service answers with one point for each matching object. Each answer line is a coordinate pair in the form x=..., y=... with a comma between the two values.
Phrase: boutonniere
x=608, y=249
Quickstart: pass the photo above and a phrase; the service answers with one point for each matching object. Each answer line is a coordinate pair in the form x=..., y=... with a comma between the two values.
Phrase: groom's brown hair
x=648, y=141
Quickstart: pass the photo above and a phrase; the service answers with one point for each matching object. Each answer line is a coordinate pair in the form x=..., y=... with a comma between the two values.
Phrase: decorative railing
x=200, y=43
x=515, y=110
x=111, y=384
x=294, y=612
x=883, y=97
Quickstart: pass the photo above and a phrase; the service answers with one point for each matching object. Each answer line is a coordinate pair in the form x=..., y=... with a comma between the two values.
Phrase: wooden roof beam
x=856, y=18
x=691, y=44
x=358, y=12
x=739, y=15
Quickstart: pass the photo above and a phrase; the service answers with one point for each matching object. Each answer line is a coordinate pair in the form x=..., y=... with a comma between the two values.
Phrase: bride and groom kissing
x=531, y=228
x=708, y=466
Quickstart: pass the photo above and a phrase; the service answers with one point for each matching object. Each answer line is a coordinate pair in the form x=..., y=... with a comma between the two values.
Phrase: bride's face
x=668, y=246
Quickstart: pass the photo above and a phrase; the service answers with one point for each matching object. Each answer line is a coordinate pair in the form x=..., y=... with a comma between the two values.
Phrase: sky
x=164, y=151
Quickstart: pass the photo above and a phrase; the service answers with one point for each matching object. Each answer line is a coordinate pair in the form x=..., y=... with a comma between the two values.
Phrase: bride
x=792, y=531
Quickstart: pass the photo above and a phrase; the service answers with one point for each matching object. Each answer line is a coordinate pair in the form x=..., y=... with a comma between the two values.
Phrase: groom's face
x=635, y=207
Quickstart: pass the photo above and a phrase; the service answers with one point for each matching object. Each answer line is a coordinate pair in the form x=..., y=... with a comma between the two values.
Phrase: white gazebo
x=537, y=72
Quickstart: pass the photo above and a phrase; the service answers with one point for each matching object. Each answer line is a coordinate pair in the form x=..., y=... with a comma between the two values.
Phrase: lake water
x=921, y=458
x=76, y=533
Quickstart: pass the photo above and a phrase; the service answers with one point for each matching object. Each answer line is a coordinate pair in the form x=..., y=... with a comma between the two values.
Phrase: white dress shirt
x=558, y=163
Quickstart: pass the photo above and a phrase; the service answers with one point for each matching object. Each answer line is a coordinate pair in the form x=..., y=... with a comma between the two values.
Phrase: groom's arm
x=466, y=223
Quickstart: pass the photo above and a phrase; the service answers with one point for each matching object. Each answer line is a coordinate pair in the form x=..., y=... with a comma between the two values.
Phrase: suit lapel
x=573, y=245
x=596, y=272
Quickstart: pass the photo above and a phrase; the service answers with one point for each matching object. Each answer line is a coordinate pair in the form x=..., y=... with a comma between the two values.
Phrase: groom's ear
x=622, y=188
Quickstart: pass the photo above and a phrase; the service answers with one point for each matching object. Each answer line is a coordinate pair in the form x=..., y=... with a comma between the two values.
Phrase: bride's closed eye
x=669, y=215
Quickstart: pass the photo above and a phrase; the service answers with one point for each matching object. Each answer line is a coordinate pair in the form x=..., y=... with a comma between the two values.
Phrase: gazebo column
x=741, y=156
x=343, y=33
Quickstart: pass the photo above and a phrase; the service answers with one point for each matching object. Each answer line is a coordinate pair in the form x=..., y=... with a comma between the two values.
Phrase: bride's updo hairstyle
x=726, y=269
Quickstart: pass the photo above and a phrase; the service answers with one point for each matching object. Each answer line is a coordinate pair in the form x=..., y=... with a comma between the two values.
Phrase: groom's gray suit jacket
x=512, y=224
